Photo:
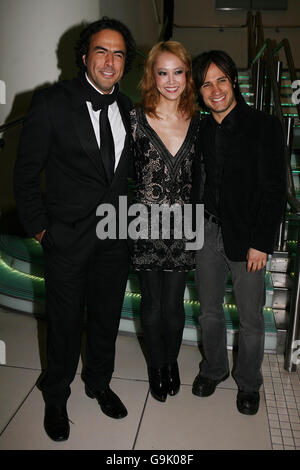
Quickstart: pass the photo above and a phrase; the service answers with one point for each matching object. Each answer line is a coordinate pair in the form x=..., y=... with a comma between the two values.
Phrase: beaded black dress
x=162, y=180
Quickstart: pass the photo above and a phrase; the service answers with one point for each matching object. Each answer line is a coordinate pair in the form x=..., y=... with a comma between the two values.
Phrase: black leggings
x=162, y=314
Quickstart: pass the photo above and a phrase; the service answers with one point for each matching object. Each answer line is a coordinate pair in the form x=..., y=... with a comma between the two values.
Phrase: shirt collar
x=233, y=119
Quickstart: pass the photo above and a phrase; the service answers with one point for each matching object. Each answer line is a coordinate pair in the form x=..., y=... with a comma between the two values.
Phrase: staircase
x=22, y=285
x=22, y=288
x=281, y=264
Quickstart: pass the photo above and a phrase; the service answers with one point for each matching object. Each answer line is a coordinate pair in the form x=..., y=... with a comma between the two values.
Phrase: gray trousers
x=212, y=268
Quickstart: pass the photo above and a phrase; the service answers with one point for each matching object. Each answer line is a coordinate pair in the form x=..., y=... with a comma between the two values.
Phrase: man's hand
x=40, y=235
x=256, y=260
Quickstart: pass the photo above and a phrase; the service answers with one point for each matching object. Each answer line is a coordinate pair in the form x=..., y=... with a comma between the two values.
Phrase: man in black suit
x=79, y=132
x=244, y=199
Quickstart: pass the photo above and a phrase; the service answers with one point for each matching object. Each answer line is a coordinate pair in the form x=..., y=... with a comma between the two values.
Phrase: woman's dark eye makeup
x=163, y=72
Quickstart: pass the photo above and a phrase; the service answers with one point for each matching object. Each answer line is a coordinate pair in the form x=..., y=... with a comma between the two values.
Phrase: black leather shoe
x=158, y=383
x=173, y=379
x=248, y=402
x=204, y=387
x=56, y=422
x=109, y=402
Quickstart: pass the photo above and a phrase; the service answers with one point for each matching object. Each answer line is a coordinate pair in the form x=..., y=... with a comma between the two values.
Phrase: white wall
x=30, y=31
x=35, y=35
x=29, y=35
x=138, y=15
x=140, y=18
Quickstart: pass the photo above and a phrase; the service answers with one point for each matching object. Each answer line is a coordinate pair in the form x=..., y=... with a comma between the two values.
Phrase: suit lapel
x=82, y=122
x=85, y=130
x=124, y=111
x=86, y=134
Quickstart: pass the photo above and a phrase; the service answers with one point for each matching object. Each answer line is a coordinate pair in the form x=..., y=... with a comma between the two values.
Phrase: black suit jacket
x=253, y=184
x=58, y=136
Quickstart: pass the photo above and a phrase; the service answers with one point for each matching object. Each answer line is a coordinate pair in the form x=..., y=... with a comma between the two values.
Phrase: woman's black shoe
x=158, y=383
x=173, y=379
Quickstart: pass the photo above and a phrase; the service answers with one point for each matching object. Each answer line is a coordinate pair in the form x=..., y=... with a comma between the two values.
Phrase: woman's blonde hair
x=149, y=92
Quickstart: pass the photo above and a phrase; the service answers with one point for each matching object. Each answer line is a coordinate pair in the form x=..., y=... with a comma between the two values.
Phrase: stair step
x=281, y=298
x=191, y=292
x=288, y=107
x=25, y=292
x=22, y=287
x=281, y=317
x=29, y=287
x=281, y=322
x=283, y=280
x=130, y=321
x=25, y=256
x=279, y=262
x=22, y=254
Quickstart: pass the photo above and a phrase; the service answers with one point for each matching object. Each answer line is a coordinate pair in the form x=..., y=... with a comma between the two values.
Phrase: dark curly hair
x=83, y=43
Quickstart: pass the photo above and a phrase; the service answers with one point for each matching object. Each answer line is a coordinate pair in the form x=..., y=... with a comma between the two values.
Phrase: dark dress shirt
x=218, y=145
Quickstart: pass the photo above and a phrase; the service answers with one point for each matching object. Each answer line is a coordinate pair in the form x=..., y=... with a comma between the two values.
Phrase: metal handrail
x=163, y=30
x=293, y=332
x=260, y=53
x=211, y=26
x=266, y=53
x=156, y=12
x=141, y=54
x=290, y=63
x=260, y=39
x=8, y=125
x=251, y=37
x=231, y=26
x=283, y=26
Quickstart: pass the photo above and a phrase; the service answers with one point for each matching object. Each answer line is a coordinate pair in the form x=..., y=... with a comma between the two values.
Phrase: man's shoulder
x=262, y=124
x=125, y=101
x=261, y=117
x=64, y=95
x=56, y=91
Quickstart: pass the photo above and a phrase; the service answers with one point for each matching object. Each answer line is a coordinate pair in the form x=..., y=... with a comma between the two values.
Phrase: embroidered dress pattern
x=162, y=179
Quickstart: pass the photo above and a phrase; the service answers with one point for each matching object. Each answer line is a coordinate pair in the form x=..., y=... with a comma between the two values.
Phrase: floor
x=183, y=422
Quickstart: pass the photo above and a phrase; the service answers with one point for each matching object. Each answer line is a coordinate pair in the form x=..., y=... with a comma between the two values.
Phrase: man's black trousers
x=85, y=278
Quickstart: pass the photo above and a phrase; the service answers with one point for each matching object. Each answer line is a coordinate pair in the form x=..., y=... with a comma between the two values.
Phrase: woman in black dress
x=164, y=129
